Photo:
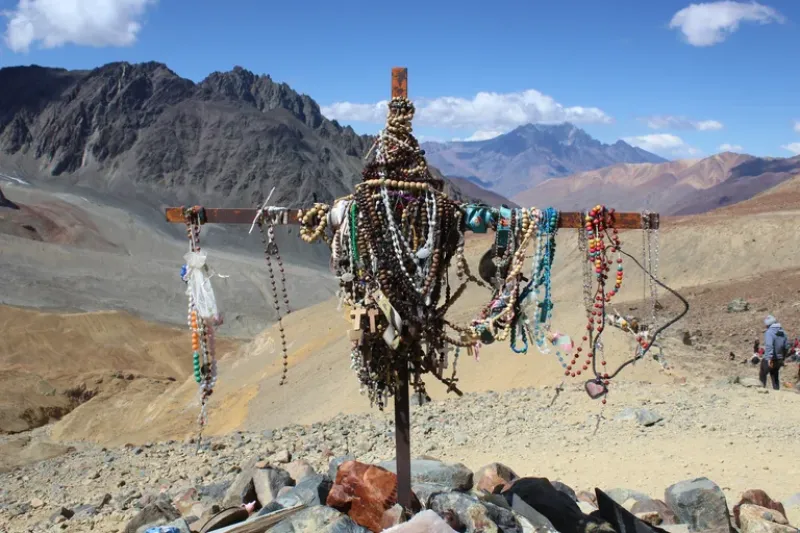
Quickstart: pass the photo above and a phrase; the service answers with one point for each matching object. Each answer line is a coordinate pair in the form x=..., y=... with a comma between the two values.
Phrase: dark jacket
x=776, y=343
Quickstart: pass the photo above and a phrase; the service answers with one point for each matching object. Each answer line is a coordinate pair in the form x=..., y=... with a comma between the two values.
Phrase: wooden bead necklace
x=271, y=252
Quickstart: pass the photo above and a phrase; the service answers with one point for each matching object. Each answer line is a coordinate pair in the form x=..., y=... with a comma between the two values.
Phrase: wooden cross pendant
x=357, y=315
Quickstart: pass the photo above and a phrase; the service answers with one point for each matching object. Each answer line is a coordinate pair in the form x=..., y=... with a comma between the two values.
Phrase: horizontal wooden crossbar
x=246, y=216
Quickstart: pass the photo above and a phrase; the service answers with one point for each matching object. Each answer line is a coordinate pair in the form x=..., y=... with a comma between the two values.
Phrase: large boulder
x=700, y=504
x=364, y=492
x=756, y=497
x=455, y=476
x=757, y=519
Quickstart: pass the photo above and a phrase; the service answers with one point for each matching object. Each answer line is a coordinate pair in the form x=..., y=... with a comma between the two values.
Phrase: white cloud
x=55, y=23
x=663, y=144
x=792, y=147
x=797, y=126
x=489, y=114
x=710, y=23
x=725, y=147
x=664, y=122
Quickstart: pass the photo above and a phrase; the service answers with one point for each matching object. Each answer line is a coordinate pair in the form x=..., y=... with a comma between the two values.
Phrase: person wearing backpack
x=776, y=347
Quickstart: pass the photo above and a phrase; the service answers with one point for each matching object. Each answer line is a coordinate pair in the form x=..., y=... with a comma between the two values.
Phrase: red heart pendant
x=595, y=389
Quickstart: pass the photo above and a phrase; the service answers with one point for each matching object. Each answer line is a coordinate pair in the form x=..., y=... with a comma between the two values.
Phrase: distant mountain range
x=140, y=127
x=681, y=187
x=518, y=160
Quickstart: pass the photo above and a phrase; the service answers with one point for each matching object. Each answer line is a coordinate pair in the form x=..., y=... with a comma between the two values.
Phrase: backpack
x=782, y=350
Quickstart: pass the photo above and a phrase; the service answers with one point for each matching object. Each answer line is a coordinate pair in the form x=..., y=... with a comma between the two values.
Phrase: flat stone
x=751, y=383
x=756, y=519
x=456, y=476
x=644, y=417
x=318, y=519
x=158, y=513
x=466, y=511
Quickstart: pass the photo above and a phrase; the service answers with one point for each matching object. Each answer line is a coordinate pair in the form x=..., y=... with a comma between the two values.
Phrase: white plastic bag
x=199, y=285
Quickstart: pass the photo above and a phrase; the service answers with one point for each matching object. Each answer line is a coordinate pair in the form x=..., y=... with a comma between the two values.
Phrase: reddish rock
x=756, y=497
x=364, y=492
x=493, y=477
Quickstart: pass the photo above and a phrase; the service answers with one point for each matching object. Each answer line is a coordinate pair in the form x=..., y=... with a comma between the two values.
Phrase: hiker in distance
x=776, y=347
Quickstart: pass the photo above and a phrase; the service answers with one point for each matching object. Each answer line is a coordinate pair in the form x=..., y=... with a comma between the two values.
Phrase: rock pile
x=685, y=429
x=355, y=497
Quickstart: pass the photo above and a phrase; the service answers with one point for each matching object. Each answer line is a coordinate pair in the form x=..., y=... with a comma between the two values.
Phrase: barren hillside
x=677, y=187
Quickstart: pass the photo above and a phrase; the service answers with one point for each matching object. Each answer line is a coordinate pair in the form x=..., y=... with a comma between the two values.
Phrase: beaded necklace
x=272, y=253
x=204, y=360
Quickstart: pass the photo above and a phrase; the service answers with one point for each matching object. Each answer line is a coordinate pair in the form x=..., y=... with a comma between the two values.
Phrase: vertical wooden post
x=402, y=418
x=400, y=82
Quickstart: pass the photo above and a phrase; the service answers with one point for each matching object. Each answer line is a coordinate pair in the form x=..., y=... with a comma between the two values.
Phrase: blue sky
x=676, y=78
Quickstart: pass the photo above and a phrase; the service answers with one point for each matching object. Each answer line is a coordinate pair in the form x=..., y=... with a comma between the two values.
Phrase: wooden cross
x=401, y=405
x=357, y=314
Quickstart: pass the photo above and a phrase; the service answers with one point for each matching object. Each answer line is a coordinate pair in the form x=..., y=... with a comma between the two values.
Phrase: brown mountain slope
x=52, y=362
x=677, y=187
x=784, y=197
